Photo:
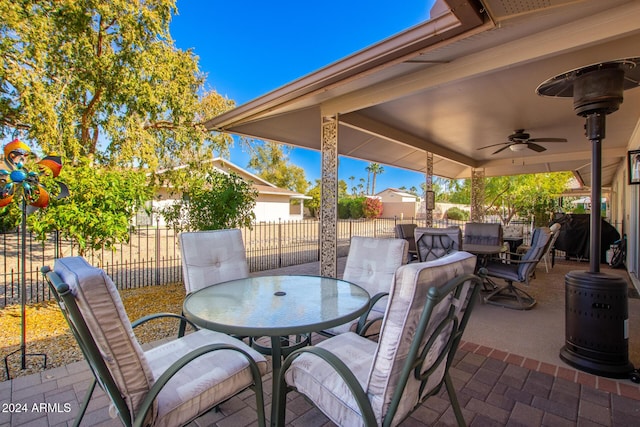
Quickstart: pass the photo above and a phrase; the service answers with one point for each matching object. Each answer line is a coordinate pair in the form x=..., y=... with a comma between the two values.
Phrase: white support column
x=429, y=202
x=477, y=195
x=329, y=197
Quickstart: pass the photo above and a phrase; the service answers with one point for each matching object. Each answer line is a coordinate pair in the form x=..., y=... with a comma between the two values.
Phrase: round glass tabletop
x=276, y=305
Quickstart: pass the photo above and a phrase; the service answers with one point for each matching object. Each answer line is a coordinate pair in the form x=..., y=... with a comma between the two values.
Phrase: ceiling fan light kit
x=593, y=343
x=518, y=147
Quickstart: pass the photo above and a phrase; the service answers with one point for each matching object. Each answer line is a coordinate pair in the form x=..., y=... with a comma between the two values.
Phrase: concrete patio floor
x=507, y=372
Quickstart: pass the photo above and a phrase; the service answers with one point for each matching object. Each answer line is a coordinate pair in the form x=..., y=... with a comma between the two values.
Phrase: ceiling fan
x=520, y=141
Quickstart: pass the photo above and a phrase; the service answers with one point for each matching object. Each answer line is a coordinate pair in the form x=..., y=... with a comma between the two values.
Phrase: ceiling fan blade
x=499, y=150
x=535, y=147
x=494, y=145
x=547, y=140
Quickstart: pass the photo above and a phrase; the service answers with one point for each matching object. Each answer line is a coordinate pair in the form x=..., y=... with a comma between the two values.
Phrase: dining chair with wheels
x=371, y=264
x=433, y=243
x=168, y=385
x=520, y=270
x=356, y=381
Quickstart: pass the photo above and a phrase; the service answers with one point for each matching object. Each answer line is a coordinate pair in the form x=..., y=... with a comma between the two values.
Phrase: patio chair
x=406, y=232
x=355, y=381
x=433, y=243
x=210, y=257
x=478, y=233
x=519, y=271
x=168, y=385
x=215, y=256
x=371, y=264
x=548, y=256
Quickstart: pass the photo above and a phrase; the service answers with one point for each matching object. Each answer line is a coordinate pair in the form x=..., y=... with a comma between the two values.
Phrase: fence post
x=279, y=242
x=157, y=278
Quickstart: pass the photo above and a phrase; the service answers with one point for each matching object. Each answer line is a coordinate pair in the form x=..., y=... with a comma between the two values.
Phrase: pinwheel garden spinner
x=23, y=186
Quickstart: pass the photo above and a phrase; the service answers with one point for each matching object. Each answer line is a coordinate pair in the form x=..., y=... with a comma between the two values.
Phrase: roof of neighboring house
x=398, y=192
x=261, y=185
x=267, y=189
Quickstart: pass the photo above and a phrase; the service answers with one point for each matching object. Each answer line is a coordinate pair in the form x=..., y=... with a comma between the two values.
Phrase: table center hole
x=280, y=293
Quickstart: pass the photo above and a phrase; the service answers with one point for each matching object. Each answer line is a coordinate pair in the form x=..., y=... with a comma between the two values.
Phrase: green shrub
x=356, y=207
x=456, y=214
x=343, y=209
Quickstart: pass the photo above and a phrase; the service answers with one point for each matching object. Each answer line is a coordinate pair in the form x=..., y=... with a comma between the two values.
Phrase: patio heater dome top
x=595, y=88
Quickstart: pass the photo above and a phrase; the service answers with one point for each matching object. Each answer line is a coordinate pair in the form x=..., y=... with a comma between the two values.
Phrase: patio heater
x=596, y=311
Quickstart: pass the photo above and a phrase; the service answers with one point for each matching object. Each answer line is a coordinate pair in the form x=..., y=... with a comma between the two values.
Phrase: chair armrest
x=145, y=319
x=147, y=403
x=341, y=369
x=363, y=325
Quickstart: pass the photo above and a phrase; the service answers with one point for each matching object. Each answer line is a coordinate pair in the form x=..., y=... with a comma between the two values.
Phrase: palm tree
x=352, y=179
x=376, y=170
x=368, y=169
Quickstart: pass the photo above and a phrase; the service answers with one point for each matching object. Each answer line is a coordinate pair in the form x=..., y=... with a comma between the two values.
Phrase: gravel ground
x=48, y=333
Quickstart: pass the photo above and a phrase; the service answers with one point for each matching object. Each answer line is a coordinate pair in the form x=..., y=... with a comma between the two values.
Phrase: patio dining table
x=275, y=307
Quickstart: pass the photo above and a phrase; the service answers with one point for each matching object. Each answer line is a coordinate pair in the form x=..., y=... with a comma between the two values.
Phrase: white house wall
x=272, y=208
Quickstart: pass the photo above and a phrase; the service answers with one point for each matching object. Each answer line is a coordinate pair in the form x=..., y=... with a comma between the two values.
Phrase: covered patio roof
x=463, y=80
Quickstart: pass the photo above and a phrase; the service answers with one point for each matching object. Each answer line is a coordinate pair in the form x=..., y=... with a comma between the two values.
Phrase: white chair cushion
x=210, y=257
x=377, y=366
x=407, y=300
x=203, y=383
x=371, y=264
x=102, y=309
x=313, y=376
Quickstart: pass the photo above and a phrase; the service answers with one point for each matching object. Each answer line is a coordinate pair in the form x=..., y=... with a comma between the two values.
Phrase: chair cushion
x=102, y=309
x=314, y=377
x=377, y=367
x=406, y=303
x=210, y=257
x=371, y=264
x=204, y=382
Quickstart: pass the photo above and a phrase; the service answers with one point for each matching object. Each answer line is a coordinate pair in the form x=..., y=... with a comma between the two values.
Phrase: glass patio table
x=276, y=306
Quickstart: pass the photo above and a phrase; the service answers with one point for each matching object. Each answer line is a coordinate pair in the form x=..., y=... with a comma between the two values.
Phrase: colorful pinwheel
x=16, y=179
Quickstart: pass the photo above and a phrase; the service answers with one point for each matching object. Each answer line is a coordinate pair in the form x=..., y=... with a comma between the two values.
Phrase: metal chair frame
x=510, y=296
x=103, y=377
x=414, y=360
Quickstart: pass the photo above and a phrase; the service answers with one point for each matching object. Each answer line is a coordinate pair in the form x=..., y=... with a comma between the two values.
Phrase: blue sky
x=249, y=48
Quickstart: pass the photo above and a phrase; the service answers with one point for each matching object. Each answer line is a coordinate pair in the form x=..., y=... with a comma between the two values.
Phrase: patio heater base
x=597, y=324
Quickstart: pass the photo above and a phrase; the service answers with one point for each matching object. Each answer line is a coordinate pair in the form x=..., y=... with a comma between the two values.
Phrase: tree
x=315, y=193
x=102, y=79
x=375, y=170
x=210, y=200
x=98, y=211
x=525, y=195
x=271, y=162
x=352, y=179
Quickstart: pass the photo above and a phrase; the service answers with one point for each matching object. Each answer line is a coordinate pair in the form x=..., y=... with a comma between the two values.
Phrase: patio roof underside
x=461, y=81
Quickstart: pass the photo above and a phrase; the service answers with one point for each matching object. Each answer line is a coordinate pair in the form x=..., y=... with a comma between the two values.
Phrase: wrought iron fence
x=152, y=255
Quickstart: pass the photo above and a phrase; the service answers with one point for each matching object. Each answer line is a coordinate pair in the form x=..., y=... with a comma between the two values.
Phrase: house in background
x=273, y=203
x=398, y=203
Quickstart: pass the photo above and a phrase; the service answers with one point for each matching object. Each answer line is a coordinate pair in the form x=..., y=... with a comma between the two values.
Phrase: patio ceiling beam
x=376, y=128
x=611, y=24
